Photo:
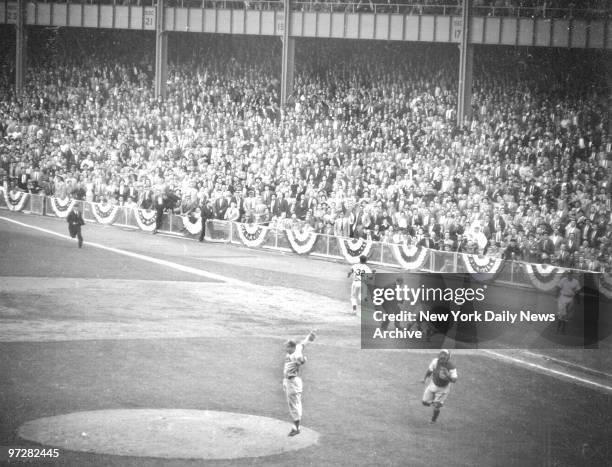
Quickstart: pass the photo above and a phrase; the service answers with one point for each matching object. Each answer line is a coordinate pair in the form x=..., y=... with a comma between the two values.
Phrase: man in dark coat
x=159, y=203
x=206, y=212
x=75, y=221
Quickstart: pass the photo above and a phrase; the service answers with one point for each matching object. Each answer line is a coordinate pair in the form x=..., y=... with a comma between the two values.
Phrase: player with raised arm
x=357, y=271
x=442, y=372
x=292, y=383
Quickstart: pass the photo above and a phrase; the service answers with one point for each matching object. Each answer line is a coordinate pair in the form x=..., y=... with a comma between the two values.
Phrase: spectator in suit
x=300, y=207
x=564, y=257
x=206, y=212
x=587, y=231
x=221, y=205
x=375, y=233
x=512, y=251
x=572, y=242
x=545, y=245
x=274, y=206
x=427, y=242
x=556, y=238
x=239, y=200
x=531, y=250
x=285, y=206
x=159, y=205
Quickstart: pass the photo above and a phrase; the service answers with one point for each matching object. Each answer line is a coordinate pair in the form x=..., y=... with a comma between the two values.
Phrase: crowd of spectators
x=367, y=147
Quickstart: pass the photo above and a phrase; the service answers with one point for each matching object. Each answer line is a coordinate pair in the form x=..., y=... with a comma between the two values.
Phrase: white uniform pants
x=565, y=308
x=356, y=293
x=434, y=393
x=293, y=391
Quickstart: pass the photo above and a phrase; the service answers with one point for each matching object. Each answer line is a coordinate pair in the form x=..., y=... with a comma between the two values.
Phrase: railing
x=325, y=246
x=373, y=7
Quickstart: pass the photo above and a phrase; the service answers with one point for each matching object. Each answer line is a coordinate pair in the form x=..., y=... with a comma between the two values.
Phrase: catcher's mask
x=444, y=354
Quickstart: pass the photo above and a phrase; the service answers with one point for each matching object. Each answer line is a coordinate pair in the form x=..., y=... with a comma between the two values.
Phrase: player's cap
x=363, y=258
x=290, y=343
x=444, y=352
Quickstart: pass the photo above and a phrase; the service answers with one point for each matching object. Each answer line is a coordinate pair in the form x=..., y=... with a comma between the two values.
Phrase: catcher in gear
x=442, y=372
x=292, y=383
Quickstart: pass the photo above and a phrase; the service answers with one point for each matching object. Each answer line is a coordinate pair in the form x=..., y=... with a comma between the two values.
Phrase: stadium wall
x=401, y=257
x=531, y=31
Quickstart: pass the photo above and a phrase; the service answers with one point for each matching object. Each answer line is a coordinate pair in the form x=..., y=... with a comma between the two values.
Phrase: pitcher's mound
x=168, y=433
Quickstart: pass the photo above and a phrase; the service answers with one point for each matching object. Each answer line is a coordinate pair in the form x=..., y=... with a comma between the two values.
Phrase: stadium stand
x=367, y=147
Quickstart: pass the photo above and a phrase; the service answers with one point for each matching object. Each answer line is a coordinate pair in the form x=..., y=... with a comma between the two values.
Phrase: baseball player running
x=442, y=372
x=292, y=383
x=357, y=271
x=568, y=288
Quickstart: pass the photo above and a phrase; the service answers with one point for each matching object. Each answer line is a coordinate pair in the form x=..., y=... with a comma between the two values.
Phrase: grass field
x=96, y=329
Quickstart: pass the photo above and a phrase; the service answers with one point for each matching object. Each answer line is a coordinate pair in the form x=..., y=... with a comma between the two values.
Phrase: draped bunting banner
x=15, y=199
x=194, y=228
x=483, y=268
x=353, y=248
x=544, y=276
x=301, y=242
x=62, y=207
x=409, y=257
x=605, y=284
x=252, y=235
x=105, y=213
x=145, y=219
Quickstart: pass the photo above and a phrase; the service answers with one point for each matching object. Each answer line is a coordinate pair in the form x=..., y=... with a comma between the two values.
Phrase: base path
x=169, y=434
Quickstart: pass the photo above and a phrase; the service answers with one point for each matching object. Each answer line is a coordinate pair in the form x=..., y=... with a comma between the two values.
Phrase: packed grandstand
x=368, y=146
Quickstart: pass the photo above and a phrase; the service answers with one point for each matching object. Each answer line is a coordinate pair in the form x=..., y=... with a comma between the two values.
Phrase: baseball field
x=143, y=349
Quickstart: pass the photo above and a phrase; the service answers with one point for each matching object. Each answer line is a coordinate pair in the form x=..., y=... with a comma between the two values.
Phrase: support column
x=288, y=59
x=466, y=68
x=161, y=51
x=21, y=48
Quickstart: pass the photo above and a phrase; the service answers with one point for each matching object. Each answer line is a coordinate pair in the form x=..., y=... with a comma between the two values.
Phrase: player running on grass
x=568, y=290
x=292, y=383
x=357, y=271
x=442, y=372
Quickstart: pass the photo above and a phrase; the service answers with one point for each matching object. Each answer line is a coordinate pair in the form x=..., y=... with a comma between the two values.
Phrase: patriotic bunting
x=104, y=213
x=301, y=242
x=353, y=248
x=62, y=207
x=145, y=219
x=15, y=199
x=544, y=276
x=194, y=228
x=482, y=264
x=251, y=235
x=482, y=268
x=409, y=257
